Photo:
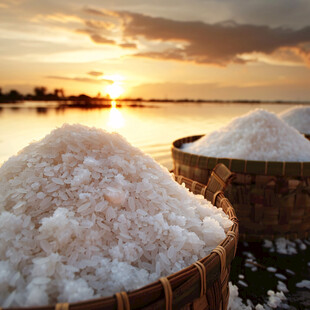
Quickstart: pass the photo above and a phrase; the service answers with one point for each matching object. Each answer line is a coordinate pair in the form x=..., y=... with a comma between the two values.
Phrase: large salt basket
x=271, y=199
x=201, y=286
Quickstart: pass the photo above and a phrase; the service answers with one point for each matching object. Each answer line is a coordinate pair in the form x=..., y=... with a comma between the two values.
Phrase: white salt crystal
x=298, y=117
x=271, y=269
x=281, y=286
x=58, y=181
x=242, y=283
x=40, y=195
x=267, y=244
x=101, y=218
x=275, y=299
x=257, y=135
x=281, y=276
x=19, y=204
x=303, y=283
x=235, y=302
x=291, y=272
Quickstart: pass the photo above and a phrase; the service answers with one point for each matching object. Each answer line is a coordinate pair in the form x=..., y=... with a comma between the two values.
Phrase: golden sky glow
x=114, y=90
x=206, y=49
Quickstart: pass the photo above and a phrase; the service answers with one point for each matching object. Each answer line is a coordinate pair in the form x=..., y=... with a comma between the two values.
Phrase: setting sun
x=114, y=90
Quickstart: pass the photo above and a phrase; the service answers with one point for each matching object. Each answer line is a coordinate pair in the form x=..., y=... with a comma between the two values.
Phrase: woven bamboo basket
x=201, y=286
x=271, y=199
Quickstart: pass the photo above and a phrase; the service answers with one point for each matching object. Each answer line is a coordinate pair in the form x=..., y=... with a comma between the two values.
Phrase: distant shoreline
x=85, y=101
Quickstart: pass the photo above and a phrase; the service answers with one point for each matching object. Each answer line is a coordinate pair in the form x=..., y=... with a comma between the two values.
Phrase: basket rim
x=280, y=168
x=177, y=279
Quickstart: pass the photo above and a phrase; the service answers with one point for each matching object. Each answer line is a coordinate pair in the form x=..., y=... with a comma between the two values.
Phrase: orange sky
x=228, y=49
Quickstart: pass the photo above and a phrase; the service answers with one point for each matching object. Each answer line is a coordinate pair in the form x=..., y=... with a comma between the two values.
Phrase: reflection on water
x=116, y=119
x=152, y=130
x=42, y=110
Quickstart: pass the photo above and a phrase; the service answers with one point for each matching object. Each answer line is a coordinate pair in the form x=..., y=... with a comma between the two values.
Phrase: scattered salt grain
x=242, y=283
x=281, y=276
x=282, y=287
x=290, y=272
x=275, y=299
x=235, y=302
x=303, y=284
x=281, y=246
x=92, y=216
x=271, y=269
x=267, y=244
x=258, y=135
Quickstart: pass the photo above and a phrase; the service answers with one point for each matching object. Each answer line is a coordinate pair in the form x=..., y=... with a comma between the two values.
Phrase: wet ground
x=256, y=270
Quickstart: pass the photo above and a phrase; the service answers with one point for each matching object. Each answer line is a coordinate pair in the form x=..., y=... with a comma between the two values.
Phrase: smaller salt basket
x=201, y=286
x=271, y=199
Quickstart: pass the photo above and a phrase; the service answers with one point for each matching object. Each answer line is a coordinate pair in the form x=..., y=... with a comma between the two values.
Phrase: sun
x=114, y=90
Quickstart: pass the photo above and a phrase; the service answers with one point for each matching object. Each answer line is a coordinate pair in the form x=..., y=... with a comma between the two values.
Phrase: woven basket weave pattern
x=271, y=199
x=201, y=286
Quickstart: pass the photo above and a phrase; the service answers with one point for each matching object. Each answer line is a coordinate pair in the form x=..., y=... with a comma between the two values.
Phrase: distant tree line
x=40, y=93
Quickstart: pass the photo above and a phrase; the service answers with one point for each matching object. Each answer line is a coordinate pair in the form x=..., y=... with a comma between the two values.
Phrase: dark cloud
x=80, y=79
x=218, y=44
x=128, y=45
x=273, y=13
x=95, y=73
x=101, y=40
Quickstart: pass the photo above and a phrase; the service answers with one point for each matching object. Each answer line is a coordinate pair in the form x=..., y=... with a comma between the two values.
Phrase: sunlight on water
x=152, y=127
x=116, y=119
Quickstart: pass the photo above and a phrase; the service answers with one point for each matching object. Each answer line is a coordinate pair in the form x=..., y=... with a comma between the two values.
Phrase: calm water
x=152, y=128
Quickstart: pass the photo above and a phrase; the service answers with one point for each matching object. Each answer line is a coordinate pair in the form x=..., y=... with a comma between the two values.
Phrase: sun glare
x=116, y=120
x=114, y=90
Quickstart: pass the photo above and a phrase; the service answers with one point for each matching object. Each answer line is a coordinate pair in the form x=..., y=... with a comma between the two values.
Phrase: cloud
x=219, y=44
x=128, y=45
x=80, y=79
x=101, y=40
x=95, y=73
x=99, y=25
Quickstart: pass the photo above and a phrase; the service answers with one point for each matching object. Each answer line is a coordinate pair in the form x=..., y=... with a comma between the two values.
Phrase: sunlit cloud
x=57, y=17
x=202, y=43
x=221, y=42
x=99, y=25
x=80, y=79
x=95, y=73
x=78, y=56
x=218, y=44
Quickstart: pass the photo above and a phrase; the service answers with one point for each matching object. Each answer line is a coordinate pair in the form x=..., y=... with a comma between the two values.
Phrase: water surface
x=152, y=127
